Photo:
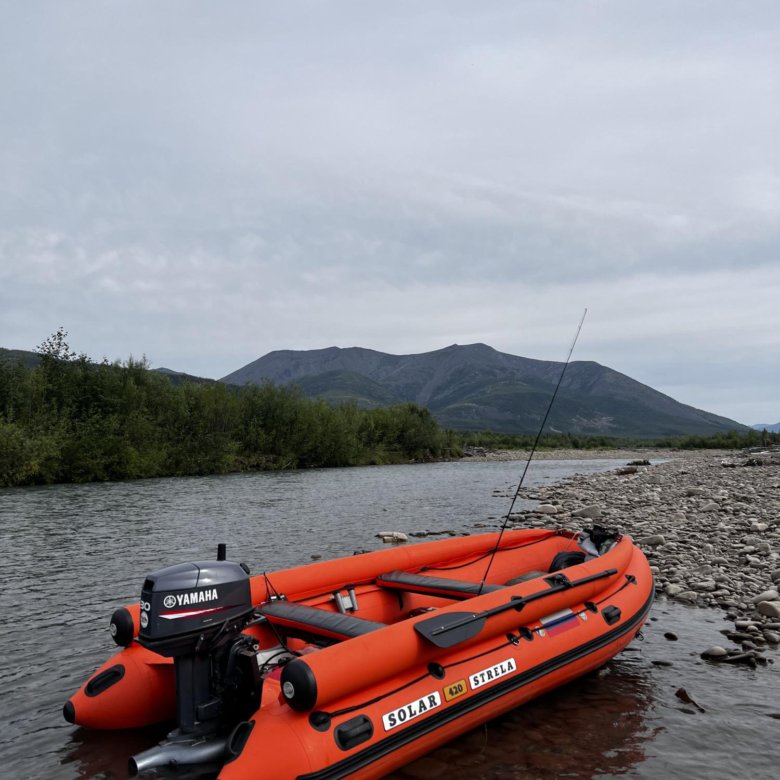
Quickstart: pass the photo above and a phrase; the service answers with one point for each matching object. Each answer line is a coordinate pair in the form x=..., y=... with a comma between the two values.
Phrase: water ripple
x=72, y=553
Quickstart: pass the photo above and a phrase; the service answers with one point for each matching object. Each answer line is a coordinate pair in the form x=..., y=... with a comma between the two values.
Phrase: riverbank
x=487, y=455
x=709, y=523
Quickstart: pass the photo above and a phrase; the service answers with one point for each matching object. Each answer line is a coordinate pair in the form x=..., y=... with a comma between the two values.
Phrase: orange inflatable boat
x=356, y=666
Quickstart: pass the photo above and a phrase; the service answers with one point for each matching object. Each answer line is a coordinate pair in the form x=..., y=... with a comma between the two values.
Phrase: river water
x=71, y=553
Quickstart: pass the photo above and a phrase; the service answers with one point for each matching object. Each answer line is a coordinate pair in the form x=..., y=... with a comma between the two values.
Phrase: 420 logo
x=453, y=690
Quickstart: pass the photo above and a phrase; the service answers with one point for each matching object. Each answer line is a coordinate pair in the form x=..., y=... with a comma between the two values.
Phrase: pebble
x=748, y=658
x=716, y=651
x=593, y=512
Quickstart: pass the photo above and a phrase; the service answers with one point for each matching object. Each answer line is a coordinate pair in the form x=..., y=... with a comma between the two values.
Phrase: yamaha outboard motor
x=194, y=613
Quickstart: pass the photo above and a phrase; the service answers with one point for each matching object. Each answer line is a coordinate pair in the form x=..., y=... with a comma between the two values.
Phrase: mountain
x=29, y=359
x=771, y=428
x=475, y=387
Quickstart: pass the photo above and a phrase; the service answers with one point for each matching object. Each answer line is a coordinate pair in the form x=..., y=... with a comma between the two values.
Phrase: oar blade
x=450, y=628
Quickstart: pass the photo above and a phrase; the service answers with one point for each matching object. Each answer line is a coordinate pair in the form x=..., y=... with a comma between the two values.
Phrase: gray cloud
x=205, y=183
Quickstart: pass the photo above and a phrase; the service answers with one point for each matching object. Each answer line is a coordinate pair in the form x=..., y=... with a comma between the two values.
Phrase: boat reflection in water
x=104, y=753
x=594, y=726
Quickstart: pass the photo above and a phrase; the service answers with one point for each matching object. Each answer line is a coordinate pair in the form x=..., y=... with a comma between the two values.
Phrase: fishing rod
x=531, y=455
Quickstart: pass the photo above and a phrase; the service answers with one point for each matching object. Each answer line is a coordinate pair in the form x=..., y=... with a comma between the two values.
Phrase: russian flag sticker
x=559, y=622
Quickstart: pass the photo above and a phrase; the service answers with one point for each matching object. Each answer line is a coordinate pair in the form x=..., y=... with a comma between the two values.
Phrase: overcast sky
x=205, y=182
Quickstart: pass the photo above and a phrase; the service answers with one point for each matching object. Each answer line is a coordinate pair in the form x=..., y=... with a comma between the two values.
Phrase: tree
x=56, y=347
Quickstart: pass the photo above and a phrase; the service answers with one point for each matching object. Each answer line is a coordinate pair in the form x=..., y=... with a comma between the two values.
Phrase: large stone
x=546, y=509
x=393, y=537
x=711, y=506
x=769, y=608
x=654, y=540
x=592, y=512
x=767, y=595
x=716, y=651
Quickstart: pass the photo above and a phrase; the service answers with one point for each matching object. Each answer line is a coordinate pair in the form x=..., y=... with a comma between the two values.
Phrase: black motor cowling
x=185, y=605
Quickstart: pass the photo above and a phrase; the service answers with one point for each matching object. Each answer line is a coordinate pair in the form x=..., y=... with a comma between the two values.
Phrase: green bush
x=68, y=419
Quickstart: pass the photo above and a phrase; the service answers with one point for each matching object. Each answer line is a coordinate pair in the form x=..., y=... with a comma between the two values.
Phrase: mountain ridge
x=769, y=427
x=474, y=386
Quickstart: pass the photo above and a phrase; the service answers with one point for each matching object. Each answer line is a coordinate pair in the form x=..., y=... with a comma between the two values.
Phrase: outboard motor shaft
x=194, y=613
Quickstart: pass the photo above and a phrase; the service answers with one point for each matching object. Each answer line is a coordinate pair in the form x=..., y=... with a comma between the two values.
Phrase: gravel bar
x=709, y=523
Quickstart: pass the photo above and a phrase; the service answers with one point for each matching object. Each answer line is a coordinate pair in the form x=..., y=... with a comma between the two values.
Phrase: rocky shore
x=484, y=454
x=709, y=523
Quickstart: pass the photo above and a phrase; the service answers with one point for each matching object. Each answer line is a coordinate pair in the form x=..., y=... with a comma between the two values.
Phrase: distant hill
x=15, y=355
x=771, y=428
x=179, y=377
x=475, y=387
x=31, y=359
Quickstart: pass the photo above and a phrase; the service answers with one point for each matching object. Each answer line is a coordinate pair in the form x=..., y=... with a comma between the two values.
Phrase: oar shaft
x=516, y=603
